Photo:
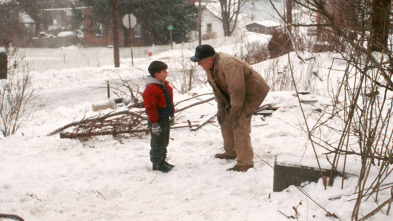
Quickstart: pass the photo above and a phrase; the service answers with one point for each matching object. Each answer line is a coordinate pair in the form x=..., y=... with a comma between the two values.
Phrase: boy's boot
x=161, y=167
x=168, y=164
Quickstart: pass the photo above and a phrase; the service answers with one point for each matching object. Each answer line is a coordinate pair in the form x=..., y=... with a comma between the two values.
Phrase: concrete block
x=288, y=170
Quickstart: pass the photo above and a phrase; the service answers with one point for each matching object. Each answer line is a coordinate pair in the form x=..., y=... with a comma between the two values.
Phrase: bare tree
x=10, y=27
x=362, y=104
x=230, y=10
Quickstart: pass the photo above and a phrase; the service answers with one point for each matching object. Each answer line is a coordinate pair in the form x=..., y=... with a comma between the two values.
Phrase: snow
x=267, y=23
x=65, y=33
x=47, y=178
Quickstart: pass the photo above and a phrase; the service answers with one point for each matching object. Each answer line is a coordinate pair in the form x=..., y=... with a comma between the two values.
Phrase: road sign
x=129, y=18
x=170, y=27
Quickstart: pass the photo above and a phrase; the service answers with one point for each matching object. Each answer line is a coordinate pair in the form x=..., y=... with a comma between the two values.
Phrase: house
x=262, y=10
x=97, y=34
x=56, y=15
x=28, y=23
x=12, y=29
x=263, y=27
x=211, y=24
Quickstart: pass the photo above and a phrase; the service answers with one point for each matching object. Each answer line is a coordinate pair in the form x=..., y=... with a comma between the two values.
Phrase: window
x=98, y=29
x=209, y=27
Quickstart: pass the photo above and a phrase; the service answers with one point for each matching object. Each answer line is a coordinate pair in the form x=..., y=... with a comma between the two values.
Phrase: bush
x=256, y=52
x=280, y=44
x=15, y=95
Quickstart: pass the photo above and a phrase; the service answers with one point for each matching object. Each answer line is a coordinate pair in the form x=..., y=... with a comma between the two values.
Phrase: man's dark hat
x=203, y=51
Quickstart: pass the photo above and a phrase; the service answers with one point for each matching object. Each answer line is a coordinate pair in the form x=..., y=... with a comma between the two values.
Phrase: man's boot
x=224, y=156
x=238, y=168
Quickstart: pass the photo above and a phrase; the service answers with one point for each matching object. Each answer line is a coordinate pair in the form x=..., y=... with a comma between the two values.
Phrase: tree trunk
x=289, y=15
x=380, y=25
x=115, y=9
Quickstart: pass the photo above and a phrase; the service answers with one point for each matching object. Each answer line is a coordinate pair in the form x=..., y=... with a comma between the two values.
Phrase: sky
x=106, y=178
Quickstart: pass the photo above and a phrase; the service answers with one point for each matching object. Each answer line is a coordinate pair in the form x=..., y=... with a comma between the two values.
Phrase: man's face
x=206, y=63
x=161, y=75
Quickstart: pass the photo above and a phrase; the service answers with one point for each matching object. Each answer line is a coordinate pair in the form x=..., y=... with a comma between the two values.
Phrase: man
x=239, y=90
x=158, y=101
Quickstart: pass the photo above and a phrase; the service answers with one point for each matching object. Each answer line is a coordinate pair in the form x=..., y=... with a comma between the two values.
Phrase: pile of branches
x=123, y=122
x=130, y=123
x=116, y=123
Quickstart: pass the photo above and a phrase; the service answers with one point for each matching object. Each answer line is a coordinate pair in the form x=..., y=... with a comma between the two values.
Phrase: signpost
x=170, y=28
x=129, y=21
x=3, y=65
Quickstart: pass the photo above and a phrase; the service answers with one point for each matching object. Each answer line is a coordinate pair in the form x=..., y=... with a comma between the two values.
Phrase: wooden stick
x=198, y=103
x=204, y=122
x=192, y=98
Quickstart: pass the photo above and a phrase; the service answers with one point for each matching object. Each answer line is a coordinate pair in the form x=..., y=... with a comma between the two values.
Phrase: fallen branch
x=200, y=95
x=192, y=105
x=11, y=216
x=376, y=210
x=73, y=135
x=288, y=217
x=329, y=214
x=204, y=122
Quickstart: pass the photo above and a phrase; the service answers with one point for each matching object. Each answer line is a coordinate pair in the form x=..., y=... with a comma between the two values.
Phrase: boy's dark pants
x=159, y=143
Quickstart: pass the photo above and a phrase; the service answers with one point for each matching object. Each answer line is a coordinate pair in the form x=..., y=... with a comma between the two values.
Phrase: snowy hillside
x=47, y=178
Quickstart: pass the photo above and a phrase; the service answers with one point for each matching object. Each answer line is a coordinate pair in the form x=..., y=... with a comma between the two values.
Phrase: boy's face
x=161, y=75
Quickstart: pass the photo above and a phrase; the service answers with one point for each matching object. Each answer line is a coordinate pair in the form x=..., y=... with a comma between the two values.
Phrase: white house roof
x=268, y=23
x=6, y=1
x=215, y=8
x=25, y=18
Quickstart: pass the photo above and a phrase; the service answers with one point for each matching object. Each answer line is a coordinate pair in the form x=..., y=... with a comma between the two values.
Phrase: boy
x=158, y=101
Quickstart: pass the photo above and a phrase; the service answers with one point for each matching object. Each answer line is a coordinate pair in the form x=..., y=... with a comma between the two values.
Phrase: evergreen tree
x=154, y=16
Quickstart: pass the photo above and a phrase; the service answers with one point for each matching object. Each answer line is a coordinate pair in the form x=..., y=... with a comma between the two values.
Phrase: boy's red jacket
x=154, y=98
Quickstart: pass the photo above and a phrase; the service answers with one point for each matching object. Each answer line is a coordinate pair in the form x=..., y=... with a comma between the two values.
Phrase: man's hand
x=234, y=121
x=156, y=129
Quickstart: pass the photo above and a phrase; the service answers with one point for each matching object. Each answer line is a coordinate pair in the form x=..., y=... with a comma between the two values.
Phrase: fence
x=42, y=59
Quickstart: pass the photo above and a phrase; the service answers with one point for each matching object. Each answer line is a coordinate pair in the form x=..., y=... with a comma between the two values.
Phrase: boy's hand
x=156, y=129
x=172, y=120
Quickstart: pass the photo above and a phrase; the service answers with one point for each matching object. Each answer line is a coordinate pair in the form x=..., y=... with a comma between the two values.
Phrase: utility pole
x=115, y=9
x=200, y=23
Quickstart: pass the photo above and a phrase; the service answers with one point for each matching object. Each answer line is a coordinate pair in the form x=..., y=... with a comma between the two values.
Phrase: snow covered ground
x=47, y=178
